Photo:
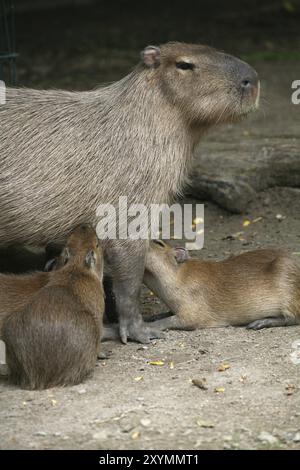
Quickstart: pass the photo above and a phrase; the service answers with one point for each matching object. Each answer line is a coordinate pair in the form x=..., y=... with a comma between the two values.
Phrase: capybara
x=54, y=340
x=65, y=153
x=258, y=288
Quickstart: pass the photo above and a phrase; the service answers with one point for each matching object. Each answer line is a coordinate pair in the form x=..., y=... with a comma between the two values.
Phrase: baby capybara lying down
x=259, y=288
x=53, y=339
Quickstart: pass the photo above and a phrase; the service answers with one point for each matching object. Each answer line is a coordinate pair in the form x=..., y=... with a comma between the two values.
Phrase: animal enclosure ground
x=130, y=404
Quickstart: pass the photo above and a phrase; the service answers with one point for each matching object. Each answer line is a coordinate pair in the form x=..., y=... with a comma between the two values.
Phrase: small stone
x=297, y=437
x=40, y=433
x=81, y=391
x=101, y=435
x=267, y=437
x=146, y=422
x=200, y=383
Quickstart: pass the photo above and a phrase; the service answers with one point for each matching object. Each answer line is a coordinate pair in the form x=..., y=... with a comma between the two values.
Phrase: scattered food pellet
x=156, y=363
x=246, y=223
x=219, y=390
x=138, y=379
x=223, y=367
x=171, y=365
x=205, y=424
x=135, y=435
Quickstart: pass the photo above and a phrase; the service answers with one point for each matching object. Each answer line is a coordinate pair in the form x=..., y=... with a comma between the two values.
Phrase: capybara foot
x=270, y=323
x=139, y=332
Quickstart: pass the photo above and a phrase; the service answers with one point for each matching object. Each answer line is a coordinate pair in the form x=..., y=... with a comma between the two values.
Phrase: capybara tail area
x=43, y=354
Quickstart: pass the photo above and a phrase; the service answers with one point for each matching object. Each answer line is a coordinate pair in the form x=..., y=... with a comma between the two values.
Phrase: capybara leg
x=271, y=322
x=110, y=332
x=173, y=323
x=128, y=266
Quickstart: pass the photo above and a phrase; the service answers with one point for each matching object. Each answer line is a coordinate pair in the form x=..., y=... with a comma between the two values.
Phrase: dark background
x=77, y=44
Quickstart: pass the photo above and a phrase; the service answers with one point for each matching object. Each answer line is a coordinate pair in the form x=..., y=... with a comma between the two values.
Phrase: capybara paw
x=141, y=333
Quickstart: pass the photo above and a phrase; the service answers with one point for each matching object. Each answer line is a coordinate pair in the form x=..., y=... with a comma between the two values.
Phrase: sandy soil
x=130, y=404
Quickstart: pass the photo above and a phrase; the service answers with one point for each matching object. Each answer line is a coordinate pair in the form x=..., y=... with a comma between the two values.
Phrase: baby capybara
x=54, y=339
x=258, y=288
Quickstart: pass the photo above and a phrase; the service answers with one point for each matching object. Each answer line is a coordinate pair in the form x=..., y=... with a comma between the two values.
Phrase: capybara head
x=82, y=250
x=208, y=86
x=160, y=252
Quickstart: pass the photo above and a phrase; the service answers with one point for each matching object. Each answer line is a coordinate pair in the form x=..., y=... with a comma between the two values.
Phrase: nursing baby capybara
x=54, y=340
x=258, y=288
x=65, y=153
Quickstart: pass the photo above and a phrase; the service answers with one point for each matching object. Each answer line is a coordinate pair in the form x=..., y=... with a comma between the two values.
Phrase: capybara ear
x=90, y=259
x=151, y=56
x=65, y=255
x=181, y=254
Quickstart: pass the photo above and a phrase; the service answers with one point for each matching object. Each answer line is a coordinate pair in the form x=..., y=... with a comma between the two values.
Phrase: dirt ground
x=131, y=404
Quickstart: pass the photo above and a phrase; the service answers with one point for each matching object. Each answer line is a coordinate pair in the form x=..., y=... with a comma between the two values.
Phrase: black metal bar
x=8, y=55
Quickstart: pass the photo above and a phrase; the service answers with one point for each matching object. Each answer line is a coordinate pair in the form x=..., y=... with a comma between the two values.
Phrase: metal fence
x=8, y=55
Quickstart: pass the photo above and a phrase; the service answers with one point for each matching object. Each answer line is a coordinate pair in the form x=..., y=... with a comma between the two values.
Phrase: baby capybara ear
x=65, y=255
x=151, y=56
x=90, y=259
x=181, y=254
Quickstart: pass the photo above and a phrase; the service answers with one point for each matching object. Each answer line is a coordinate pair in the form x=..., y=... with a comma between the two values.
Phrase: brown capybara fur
x=54, y=340
x=65, y=153
x=16, y=291
x=258, y=288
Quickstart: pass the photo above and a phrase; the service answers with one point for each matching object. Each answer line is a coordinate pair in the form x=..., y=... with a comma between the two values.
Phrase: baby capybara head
x=82, y=250
x=208, y=86
x=161, y=253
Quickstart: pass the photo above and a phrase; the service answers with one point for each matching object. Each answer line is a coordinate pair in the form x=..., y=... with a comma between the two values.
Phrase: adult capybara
x=64, y=153
x=259, y=288
x=55, y=339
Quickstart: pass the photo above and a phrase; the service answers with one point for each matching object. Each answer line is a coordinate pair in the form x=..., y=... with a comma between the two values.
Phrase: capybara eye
x=159, y=242
x=185, y=65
